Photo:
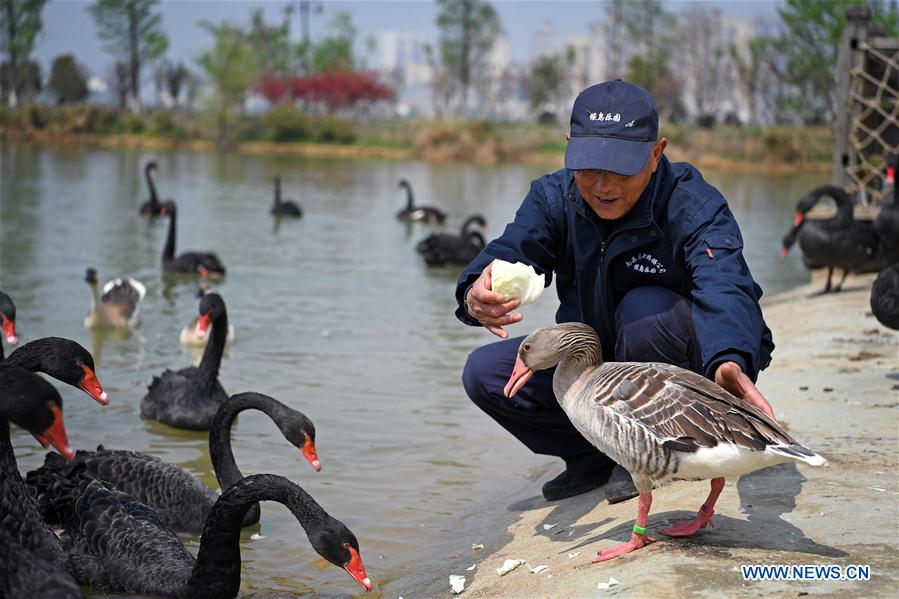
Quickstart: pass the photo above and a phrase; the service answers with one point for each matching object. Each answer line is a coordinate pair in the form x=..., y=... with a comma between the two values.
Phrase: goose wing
x=124, y=295
x=684, y=410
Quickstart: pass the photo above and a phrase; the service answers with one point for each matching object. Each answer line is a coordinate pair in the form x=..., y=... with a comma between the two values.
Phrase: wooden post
x=858, y=19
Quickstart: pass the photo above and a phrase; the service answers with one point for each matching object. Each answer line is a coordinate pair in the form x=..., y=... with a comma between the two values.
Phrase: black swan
x=32, y=403
x=191, y=334
x=838, y=242
x=204, y=264
x=190, y=397
x=885, y=297
x=886, y=227
x=152, y=207
x=8, y=318
x=182, y=501
x=284, y=207
x=117, y=543
x=440, y=249
x=118, y=307
x=64, y=360
x=24, y=573
x=418, y=214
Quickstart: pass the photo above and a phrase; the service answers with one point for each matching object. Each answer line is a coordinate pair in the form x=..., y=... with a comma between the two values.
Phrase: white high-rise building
x=543, y=42
x=402, y=63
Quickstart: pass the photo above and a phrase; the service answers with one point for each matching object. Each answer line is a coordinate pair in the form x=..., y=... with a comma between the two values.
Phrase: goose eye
x=526, y=347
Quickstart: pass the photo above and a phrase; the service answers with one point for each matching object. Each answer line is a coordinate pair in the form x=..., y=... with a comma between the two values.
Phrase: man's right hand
x=490, y=308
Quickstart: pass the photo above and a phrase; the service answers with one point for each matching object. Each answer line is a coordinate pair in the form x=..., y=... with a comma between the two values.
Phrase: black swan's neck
x=169, y=252
x=8, y=467
x=845, y=208
x=29, y=356
x=216, y=572
x=277, y=192
x=154, y=199
x=410, y=199
x=477, y=240
x=208, y=371
x=223, y=462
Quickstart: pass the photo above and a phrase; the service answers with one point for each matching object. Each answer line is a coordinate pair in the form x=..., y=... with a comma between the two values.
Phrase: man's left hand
x=730, y=376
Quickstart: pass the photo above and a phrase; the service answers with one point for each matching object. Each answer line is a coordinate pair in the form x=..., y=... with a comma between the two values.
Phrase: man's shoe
x=567, y=485
x=620, y=486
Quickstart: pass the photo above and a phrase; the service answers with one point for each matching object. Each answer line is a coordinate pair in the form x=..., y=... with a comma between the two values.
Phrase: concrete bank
x=834, y=383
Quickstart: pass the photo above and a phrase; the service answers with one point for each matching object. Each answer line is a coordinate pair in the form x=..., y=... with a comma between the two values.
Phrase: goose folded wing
x=686, y=411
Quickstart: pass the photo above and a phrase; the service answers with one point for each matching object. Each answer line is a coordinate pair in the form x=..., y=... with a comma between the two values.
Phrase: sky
x=68, y=27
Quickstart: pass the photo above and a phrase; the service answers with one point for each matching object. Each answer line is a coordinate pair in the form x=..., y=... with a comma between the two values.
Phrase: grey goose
x=660, y=422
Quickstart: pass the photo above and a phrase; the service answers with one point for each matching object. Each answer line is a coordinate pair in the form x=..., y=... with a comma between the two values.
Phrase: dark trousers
x=652, y=324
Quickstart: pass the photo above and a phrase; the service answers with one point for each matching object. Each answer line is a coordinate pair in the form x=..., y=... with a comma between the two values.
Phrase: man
x=644, y=251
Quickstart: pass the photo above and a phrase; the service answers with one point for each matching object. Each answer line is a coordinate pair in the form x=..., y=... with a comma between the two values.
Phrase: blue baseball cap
x=613, y=127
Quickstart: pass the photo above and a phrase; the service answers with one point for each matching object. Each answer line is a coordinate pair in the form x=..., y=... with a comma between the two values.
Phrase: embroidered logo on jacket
x=645, y=262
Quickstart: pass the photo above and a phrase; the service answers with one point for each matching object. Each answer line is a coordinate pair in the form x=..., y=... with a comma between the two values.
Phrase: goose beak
x=91, y=385
x=308, y=450
x=203, y=322
x=56, y=434
x=521, y=374
x=9, y=330
x=355, y=569
x=797, y=220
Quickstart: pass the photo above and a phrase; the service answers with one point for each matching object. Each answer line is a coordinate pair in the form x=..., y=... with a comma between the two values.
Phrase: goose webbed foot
x=637, y=542
x=638, y=539
x=688, y=528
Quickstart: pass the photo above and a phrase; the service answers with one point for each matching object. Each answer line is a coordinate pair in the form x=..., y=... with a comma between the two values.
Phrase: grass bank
x=288, y=130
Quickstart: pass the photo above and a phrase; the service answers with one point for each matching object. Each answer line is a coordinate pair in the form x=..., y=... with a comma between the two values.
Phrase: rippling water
x=335, y=315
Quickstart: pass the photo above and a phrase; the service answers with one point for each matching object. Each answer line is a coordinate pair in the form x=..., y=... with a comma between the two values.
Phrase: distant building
x=402, y=62
x=543, y=42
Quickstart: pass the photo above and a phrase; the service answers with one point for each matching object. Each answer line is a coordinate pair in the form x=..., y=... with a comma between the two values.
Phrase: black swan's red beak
x=91, y=385
x=308, y=450
x=798, y=219
x=521, y=374
x=42, y=440
x=9, y=330
x=56, y=434
x=355, y=569
x=203, y=323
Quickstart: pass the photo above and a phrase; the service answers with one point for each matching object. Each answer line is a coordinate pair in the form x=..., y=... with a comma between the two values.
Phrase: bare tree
x=20, y=22
x=468, y=29
x=704, y=57
x=132, y=32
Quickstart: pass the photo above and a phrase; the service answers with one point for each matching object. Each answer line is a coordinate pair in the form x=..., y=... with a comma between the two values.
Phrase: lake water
x=335, y=315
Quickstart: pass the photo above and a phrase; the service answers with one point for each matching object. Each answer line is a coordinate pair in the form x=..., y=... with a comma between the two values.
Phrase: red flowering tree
x=331, y=91
x=274, y=89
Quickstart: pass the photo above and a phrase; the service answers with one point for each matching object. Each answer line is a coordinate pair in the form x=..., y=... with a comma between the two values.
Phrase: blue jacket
x=680, y=235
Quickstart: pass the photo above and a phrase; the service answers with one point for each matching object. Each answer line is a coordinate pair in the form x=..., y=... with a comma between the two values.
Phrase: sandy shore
x=834, y=383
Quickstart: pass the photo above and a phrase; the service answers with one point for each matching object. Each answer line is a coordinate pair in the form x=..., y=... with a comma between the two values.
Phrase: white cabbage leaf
x=517, y=280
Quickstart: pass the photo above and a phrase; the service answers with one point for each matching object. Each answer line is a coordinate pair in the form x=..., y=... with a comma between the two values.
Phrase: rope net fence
x=873, y=106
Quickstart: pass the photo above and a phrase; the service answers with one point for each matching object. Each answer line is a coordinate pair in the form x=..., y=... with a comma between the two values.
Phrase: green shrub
x=286, y=123
x=334, y=130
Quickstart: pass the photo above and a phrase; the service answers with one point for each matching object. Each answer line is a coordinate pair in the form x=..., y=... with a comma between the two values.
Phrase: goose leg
x=688, y=528
x=637, y=540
